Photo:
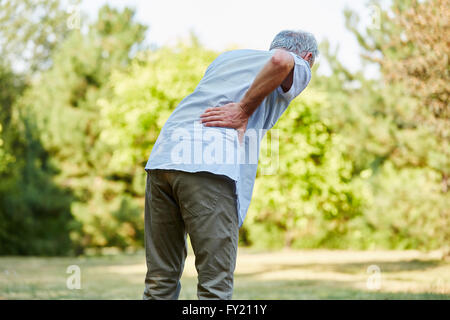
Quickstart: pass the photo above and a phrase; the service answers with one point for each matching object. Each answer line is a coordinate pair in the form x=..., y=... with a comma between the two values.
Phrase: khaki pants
x=202, y=205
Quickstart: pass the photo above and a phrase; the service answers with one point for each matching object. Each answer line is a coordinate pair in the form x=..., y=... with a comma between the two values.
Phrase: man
x=203, y=165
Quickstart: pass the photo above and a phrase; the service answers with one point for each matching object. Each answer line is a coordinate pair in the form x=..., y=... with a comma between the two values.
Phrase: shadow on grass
x=251, y=289
x=318, y=289
x=250, y=285
x=353, y=268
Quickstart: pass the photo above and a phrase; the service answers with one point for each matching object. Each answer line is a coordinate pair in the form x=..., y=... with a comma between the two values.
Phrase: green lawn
x=314, y=274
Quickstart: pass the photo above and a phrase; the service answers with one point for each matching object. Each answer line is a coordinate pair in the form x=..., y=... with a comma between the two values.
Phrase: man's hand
x=235, y=115
x=231, y=115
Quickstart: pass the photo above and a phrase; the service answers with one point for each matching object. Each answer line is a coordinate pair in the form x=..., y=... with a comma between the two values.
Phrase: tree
x=400, y=161
x=64, y=103
x=29, y=32
x=411, y=48
x=35, y=213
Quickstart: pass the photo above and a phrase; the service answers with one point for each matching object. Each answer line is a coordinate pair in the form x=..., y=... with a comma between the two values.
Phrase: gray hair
x=296, y=41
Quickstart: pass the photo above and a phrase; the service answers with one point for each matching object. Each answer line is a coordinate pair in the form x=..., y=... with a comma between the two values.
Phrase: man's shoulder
x=239, y=57
x=243, y=53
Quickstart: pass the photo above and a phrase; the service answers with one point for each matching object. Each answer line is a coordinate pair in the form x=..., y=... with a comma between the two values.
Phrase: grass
x=306, y=274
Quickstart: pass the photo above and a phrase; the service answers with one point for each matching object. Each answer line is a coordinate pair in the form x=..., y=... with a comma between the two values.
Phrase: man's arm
x=269, y=78
x=235, y=115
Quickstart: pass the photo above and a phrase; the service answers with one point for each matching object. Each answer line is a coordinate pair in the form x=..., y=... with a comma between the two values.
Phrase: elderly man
x=200, y=171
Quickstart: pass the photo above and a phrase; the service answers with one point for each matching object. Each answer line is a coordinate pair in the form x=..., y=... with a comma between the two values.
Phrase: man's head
x=299, y=42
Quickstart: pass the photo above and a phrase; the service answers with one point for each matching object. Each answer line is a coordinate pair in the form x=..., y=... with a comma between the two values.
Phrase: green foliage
x=400, y=162
x=9, y=90
x=407, y=210
x=30, y=30
x=64, y=103
x=34, y=212
x=5, y=157
x=71, y=130
x=360, y=162
x=35, y=215
x=308, y=198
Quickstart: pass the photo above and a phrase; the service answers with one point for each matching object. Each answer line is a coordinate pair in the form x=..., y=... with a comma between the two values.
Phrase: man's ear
x=307, y=56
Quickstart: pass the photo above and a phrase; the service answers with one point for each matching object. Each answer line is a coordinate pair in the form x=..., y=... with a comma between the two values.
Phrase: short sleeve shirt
x=185, y=144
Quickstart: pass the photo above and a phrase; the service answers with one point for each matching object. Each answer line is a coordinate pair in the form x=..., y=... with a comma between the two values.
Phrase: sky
x=245, y=23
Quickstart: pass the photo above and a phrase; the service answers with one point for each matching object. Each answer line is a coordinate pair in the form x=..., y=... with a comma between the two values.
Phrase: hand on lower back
x=230, y=115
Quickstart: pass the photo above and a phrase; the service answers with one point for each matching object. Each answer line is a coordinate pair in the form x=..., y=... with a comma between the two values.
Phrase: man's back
x=226, y=79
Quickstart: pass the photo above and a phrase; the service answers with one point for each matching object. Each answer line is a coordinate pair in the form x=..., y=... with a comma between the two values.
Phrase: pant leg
x=165, y=239
x=208, y=206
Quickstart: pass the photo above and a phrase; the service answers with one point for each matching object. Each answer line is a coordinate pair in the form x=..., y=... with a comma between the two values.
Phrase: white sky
x=245, y=23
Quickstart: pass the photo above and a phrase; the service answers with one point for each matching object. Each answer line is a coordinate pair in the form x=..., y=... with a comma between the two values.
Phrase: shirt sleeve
x=301, y=78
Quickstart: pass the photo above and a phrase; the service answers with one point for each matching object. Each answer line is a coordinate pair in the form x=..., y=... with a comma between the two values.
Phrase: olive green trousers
x=202, y=205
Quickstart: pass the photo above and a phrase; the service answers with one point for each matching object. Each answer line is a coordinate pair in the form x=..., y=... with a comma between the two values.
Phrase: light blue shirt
x=185, y=144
